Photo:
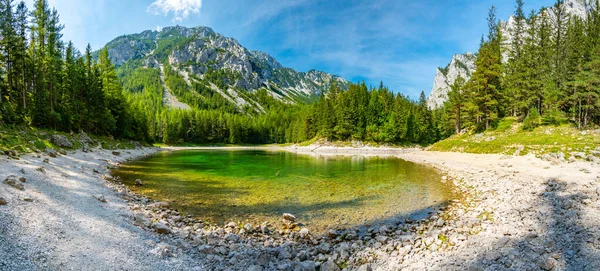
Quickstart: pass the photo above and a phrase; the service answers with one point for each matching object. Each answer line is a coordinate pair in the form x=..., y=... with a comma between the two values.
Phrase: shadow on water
x=561, y=243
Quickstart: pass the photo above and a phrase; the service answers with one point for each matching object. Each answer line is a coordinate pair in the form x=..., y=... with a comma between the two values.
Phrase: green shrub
x=505, y=124
x=554, y=117
x=533, y=120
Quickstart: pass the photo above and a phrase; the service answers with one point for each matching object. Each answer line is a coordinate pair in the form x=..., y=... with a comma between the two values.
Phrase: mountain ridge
x=197, y=52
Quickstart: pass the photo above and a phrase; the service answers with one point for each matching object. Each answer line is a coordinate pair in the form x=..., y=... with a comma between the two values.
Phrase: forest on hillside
x=548, y=73
x=551, y=75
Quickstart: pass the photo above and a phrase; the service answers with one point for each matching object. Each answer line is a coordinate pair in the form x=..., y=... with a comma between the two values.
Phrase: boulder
x=232, y=237
x=164, y=250
x=304, y=233
x=141, y=220
x=46, y=160
x=23, y=179
x=3, y=201
x=548, y=264
x=289, y=217
x=61, y=141
x=84, y=138
x=139, y=182
x=11, y=153
x=264, y=228
x=13, y=182
x=329, y=266
x=52, y=153
x=248, y=227
x=162, y=228
x=116, y=153
x=304, y=266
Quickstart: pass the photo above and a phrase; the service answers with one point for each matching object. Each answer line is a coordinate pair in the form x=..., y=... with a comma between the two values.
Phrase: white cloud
x=181, y=8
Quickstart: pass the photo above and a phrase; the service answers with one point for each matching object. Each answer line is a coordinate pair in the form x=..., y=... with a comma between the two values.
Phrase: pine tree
x=485, y=83
x=560, y=24
x=8, y=46
x=455, y=103
x=22, y=67
x=515, y=67
x=38, y=52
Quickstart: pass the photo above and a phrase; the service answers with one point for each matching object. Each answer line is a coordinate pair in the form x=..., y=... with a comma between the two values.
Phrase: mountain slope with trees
x=235, y=95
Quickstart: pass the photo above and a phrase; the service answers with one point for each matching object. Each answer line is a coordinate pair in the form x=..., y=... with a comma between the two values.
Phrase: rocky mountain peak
x=200, y=51
x=461, y=65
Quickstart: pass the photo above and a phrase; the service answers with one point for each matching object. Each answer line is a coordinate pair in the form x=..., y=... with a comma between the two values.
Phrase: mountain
x=202, y=56
x=464, y=64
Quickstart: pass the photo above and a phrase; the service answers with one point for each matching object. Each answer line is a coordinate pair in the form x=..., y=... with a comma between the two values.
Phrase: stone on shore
x=330, y=266
x=14, y=182
x=162, y=228
x=61, y=141
x=289, y=217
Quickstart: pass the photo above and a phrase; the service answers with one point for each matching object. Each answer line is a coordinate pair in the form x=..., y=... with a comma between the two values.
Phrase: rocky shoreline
x=288, y=246
x=496, y=224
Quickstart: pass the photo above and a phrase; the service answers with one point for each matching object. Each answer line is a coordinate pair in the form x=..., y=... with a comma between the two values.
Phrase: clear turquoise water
x=255, y=186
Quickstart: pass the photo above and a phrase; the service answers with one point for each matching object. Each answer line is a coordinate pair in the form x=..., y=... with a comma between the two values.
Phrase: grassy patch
x=24, y=139
x=508, y=137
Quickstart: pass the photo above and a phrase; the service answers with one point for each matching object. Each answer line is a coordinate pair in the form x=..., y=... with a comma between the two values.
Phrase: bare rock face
x=461, y=65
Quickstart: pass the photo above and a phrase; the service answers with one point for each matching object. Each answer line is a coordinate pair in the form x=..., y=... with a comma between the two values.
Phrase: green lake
x=259, y=185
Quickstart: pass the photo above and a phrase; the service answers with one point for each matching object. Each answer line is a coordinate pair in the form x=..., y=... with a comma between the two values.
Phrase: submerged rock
x=100, y=198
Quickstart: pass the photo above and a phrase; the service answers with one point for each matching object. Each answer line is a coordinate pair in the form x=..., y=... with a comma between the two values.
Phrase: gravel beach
x=515, y=213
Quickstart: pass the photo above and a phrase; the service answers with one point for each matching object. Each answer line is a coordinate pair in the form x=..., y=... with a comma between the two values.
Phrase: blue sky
x=395, y=41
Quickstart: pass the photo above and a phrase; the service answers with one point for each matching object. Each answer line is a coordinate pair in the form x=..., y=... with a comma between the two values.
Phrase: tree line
x=367, y=114
x=47, y=83
x=548, y=72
